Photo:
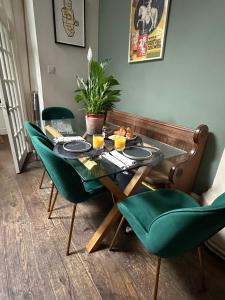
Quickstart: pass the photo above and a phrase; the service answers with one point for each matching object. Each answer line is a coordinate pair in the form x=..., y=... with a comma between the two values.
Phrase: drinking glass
x=119, y=143
x=98, y=141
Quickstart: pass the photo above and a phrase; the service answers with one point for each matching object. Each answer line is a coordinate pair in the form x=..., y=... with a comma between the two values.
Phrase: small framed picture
x=69, y=22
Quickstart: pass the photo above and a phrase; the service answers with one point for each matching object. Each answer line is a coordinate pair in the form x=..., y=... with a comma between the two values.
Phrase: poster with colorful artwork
x=148, y=22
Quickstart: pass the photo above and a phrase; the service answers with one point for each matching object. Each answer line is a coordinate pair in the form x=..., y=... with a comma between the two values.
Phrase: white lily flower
x=78, y=82
x=83, y=83
x=89, y=55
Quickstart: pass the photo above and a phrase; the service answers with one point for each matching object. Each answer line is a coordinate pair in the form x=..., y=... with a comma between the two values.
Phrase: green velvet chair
x=54, y=113
x=68, y=183
x=169, y=223
x=34, y=130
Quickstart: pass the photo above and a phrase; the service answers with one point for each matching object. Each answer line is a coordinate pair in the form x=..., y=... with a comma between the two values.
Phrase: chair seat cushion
x=93, y=186
x=90, y=186
x=140, y=210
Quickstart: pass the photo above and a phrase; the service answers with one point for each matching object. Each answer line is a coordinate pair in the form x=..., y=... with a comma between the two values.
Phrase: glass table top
x=66, y=127
x=92, y=165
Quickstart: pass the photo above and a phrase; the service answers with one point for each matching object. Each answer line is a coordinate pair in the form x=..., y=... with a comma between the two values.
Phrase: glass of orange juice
x=98, y=141
x=119, y=142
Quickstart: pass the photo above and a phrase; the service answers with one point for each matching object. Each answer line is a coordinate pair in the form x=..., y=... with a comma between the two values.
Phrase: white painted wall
x=58, y=88
x=33, y=54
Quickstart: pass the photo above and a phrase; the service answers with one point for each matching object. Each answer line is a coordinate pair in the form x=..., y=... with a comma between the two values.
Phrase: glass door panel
x=11, y=102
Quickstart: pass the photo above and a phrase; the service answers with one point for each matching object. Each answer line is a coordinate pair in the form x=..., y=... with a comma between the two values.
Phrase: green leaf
x=78, y=98
x=97, y=91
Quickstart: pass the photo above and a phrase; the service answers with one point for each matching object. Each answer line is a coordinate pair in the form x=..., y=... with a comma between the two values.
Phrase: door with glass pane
x=10, y=95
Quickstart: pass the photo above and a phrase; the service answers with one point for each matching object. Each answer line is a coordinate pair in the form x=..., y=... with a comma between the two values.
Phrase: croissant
x=116, y=132
x=122, y=131
x=127, y=132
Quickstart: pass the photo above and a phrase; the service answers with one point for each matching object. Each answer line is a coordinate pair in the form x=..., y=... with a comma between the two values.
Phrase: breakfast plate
x=77, y=146
x=137, y=153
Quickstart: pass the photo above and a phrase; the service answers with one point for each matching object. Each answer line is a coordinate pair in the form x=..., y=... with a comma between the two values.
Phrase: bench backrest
x=183, y=172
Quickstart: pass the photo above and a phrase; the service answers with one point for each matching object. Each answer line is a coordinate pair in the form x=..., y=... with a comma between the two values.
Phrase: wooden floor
x=33, y=264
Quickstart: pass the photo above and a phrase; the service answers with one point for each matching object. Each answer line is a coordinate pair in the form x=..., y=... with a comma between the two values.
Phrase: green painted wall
x=188, y=86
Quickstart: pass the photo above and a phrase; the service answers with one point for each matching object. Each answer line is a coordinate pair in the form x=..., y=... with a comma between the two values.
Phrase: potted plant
x=97, y=93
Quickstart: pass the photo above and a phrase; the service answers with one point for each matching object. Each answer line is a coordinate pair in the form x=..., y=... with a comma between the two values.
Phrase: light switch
x=51, y=69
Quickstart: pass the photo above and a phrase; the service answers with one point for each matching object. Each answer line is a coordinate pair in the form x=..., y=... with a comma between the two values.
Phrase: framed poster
x=148, y=24
x=69, y=22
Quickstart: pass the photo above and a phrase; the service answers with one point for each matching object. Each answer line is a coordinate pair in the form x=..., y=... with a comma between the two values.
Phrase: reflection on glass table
x=91, y=165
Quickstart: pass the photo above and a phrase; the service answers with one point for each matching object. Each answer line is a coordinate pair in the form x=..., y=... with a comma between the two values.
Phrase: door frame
x=21, y=99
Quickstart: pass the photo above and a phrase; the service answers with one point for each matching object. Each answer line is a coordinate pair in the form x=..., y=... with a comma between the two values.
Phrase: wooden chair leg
x=201, y=266
x=36, y=155
x=42, y=179
x=53, y=204
x=117, y=231
x=50, y=198
x=157, y=279
x=113, y=199
x=71, y=229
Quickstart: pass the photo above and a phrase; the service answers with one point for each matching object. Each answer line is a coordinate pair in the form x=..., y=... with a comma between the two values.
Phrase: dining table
x=93, y=164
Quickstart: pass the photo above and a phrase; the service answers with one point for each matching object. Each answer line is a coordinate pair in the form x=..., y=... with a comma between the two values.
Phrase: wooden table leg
x=103, y=229
x=114, y=213
x=138, y=177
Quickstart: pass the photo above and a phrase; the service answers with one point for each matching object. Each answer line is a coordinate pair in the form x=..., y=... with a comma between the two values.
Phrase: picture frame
x=148, y=28
x=69, y=22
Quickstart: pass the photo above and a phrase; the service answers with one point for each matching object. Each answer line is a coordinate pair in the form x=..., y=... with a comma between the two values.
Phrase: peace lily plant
x=98, y=93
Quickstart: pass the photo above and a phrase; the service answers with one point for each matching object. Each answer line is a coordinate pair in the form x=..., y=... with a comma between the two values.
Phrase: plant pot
x=94, y=123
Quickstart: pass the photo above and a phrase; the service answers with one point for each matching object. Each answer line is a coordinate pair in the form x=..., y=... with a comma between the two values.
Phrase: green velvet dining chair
x=34, y=130
x=169, y=223
x=55, y=112
x=68, y=183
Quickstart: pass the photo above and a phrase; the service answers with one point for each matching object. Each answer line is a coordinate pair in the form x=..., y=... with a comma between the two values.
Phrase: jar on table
x=106, y=131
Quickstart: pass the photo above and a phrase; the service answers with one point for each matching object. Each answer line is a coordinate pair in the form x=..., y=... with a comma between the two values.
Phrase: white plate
x=112, y=137
x=137, y=153
x=77, y=146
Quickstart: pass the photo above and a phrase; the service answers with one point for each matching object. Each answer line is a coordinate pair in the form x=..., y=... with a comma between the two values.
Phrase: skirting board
x=3, y=131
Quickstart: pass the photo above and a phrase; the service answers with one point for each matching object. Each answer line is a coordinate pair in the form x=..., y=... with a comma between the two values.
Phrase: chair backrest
x=63, y=175
x=181, y=230
x=54, y=113
x=34, y=130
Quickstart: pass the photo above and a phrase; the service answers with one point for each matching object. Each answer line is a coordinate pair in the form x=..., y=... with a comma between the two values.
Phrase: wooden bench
x=178, y=172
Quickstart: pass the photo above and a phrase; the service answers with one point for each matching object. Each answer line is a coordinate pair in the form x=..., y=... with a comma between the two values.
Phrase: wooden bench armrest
x=183, y=173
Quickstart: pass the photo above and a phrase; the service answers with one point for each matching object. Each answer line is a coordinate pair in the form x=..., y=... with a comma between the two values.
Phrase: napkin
x=127, y=161
x=66, y=139
x=114, y=160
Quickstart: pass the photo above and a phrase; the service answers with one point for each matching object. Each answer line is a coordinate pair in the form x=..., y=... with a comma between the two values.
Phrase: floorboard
x=32, y=250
